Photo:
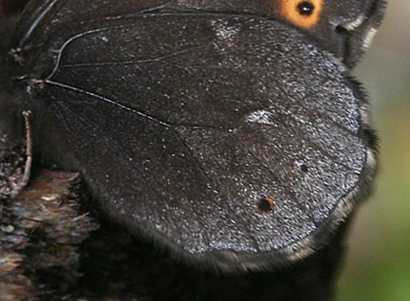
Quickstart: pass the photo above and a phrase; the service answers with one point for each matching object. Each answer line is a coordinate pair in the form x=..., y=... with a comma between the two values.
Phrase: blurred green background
x=377, y=263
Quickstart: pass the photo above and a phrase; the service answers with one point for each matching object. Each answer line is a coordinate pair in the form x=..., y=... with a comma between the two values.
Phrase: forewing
x=343, y=28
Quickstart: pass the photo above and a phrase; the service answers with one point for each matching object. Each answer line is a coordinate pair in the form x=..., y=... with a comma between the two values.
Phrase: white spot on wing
x=225, y=34
x=261, y=116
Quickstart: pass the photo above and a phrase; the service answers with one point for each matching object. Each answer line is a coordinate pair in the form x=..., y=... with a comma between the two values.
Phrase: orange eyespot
x=302, y=13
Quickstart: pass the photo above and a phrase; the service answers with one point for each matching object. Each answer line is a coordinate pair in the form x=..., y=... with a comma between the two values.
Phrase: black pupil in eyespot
x=265, y=205
x=306, y=8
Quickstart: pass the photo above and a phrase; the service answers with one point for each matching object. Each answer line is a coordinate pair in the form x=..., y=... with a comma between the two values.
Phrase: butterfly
x=230, y=132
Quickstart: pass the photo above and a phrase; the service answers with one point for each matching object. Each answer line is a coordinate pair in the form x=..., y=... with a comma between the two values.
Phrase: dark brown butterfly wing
x=345, y=28
x=200, y=123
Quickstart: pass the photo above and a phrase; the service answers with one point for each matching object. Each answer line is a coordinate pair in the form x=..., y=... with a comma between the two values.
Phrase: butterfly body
x=183, y=118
